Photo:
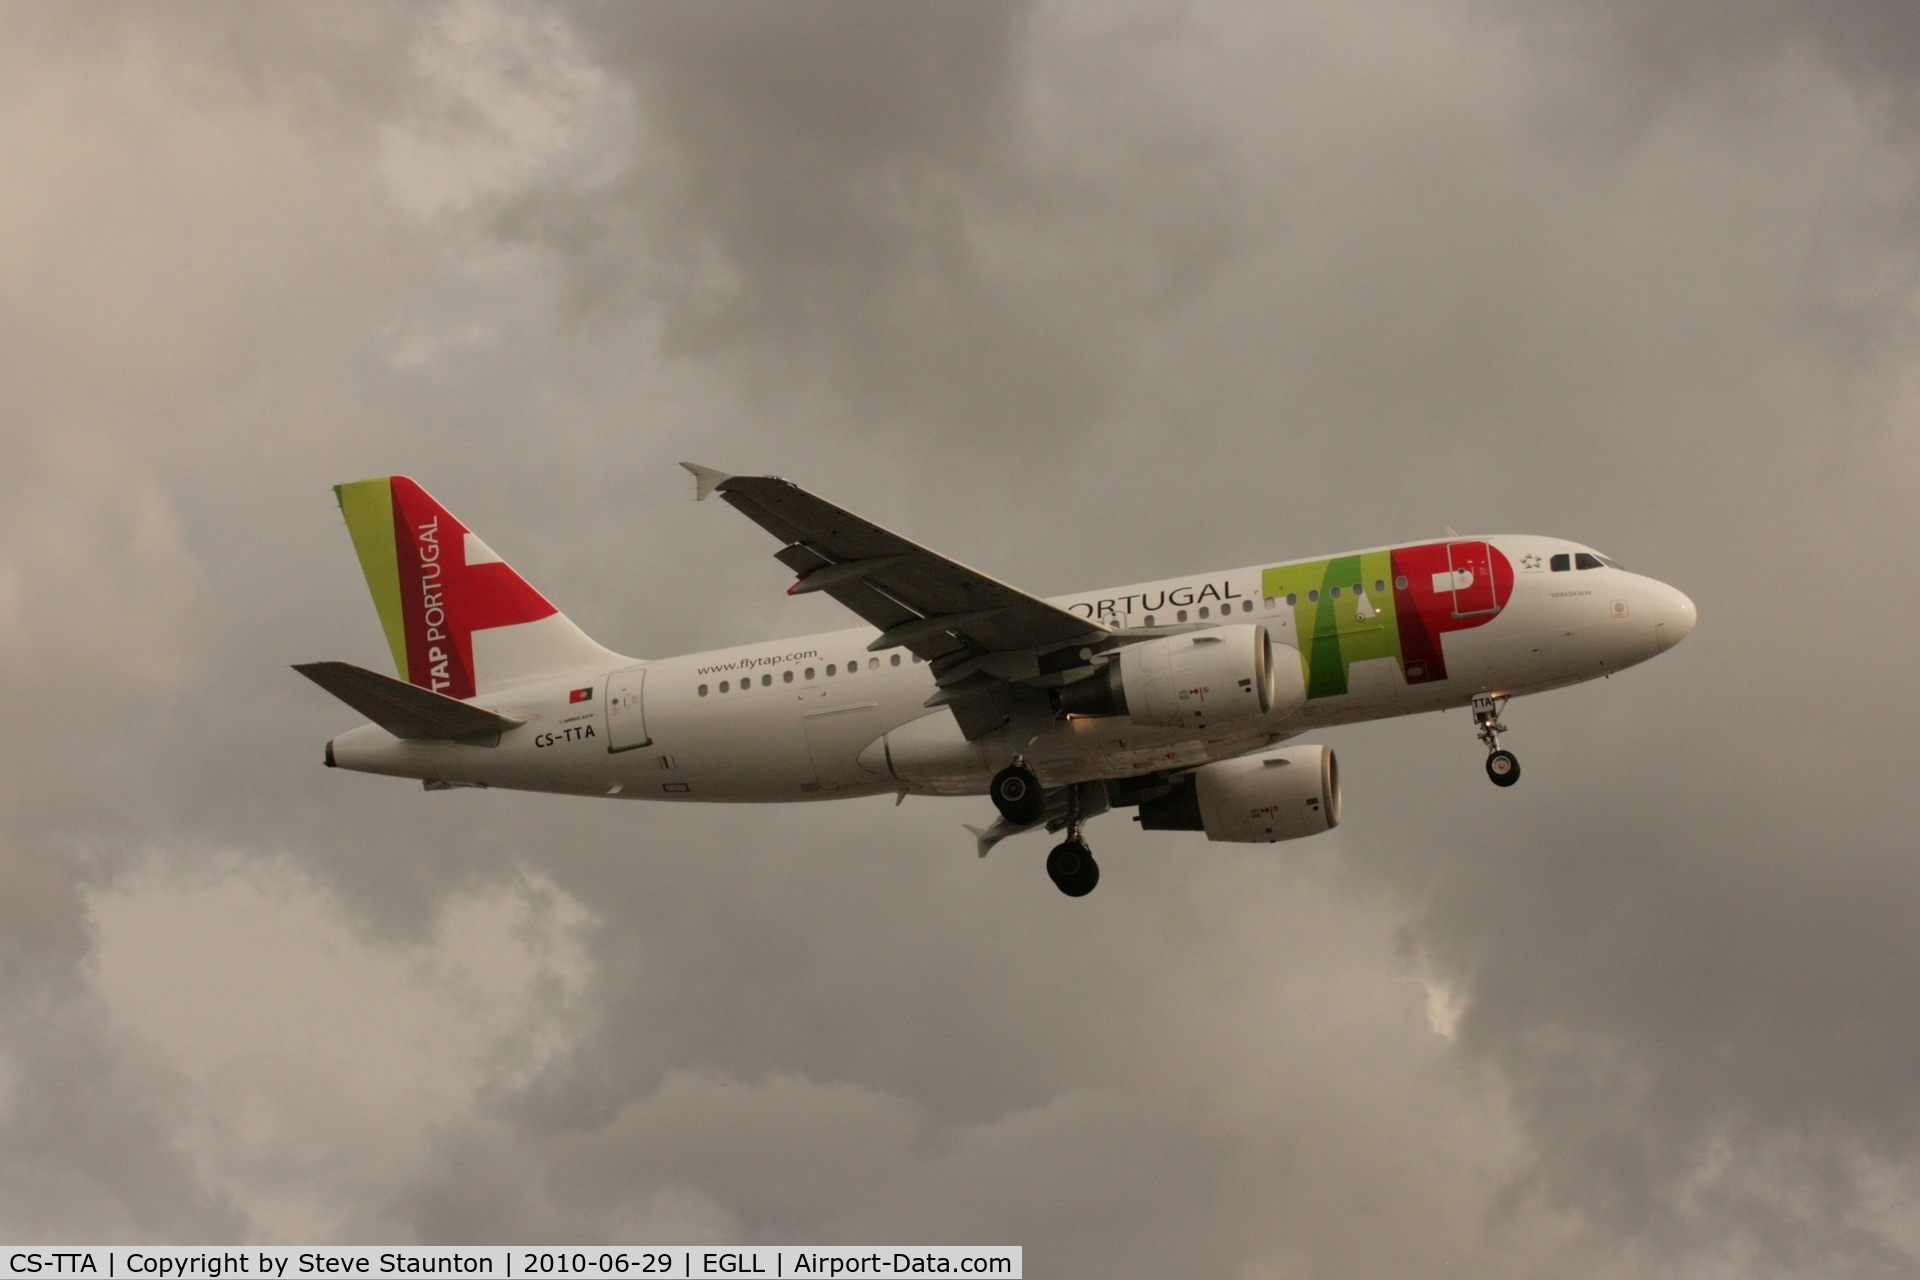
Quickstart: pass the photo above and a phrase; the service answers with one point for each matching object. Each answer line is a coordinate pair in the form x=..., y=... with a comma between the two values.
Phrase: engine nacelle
x=1222, y=675
x=1276, y=795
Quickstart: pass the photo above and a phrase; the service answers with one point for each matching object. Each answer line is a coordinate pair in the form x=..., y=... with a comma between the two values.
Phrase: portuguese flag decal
x=581, y=695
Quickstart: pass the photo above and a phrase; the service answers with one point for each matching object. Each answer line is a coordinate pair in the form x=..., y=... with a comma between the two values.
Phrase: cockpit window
x=1562, y=562
x=1608, y=561
x=1587, y=560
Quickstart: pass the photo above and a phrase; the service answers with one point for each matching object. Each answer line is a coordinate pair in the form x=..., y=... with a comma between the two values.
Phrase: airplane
x=1179, y=698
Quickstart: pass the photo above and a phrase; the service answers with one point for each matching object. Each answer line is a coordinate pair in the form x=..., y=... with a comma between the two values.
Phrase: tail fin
x=457, y=617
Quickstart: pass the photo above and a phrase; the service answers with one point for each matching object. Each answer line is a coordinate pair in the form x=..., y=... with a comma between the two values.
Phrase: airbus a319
x=1181, y=699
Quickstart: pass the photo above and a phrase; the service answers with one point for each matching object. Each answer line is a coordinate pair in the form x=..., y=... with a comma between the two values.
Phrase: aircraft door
x=626, y=710
x=835, y=740
x=1472, y=579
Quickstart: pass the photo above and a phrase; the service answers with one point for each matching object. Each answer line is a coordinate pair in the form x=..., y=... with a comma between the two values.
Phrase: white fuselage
x=819, y=716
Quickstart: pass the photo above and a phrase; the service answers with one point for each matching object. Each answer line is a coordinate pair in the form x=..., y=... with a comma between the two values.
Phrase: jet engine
x=1276, y=795
x=1222, y=675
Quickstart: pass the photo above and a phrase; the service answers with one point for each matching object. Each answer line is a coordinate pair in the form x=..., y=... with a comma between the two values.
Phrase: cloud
x=885, y=212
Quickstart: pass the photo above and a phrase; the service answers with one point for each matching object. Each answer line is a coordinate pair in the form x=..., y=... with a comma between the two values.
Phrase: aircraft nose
x=1676, y=616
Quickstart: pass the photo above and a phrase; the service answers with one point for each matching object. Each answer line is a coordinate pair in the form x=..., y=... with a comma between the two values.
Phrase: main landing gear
x=1023, y=802
x=1071, y=866
x=1017, y=794
x=1502, y=766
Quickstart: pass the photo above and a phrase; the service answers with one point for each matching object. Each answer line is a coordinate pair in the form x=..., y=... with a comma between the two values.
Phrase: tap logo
x=433, y=582
x=433, y=613
x=1389, y=604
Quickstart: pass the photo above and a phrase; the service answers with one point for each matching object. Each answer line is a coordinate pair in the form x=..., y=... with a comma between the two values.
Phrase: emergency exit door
x=627, y=710
x=1472, y=568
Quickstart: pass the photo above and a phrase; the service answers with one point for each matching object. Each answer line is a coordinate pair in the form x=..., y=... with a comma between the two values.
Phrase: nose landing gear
x=1503, y=767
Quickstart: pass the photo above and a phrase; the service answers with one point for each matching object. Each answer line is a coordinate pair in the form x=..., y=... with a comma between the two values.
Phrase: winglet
x=705, y=480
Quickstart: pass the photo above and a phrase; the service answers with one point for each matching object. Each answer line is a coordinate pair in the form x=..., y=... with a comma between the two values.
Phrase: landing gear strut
x=1071, y=865
x=1502, y=766
x=1017, y=794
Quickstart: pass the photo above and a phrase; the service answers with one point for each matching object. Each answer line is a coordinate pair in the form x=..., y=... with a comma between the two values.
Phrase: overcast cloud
x=1082, y=295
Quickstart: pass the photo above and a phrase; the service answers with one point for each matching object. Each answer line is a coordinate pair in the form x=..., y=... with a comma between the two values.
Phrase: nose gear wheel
x=1503, y=767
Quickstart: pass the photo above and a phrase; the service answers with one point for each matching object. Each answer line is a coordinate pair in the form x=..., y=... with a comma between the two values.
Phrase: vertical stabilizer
x=458, y=618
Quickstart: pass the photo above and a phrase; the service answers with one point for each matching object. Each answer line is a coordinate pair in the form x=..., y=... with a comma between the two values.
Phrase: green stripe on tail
x=368, y=507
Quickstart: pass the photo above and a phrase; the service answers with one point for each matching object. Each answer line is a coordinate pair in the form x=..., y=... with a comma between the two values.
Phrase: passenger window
x=765, y=681
x=1270, y=602
x=1203, y=611
x=1292, y=599
x=1149, y=619
x=1313, y=596
x=723, y=686
x=1182, y=615
x=1561, y=563
x=703, y=691
x=809, y=673
x=1335, y=593
x=830, y=668
x=896, y=659
x=786, y=677
x=873, y=664
x=1246, y=606
x=1586, y=560
x=1379, y=586
x=1400, y=583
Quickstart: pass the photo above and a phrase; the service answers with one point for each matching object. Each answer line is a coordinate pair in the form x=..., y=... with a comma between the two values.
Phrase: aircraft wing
x=979, y=634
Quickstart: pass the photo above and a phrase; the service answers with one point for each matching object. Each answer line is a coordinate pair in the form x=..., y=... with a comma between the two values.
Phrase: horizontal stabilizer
x=404, y=710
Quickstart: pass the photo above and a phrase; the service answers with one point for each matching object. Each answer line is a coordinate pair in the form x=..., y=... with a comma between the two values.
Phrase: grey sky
x=1082, y=295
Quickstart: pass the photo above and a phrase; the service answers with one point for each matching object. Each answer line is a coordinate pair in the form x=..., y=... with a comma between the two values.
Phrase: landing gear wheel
x=1018, y=796
x=1072, y=868
x=1504, y=768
